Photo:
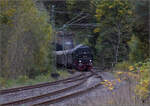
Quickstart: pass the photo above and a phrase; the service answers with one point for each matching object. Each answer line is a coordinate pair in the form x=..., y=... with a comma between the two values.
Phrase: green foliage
x=143, y=86
x=25, y=38
x=86, y=42
x=63, y=73
x=74, y=4
x=25, y=80
x=70, y=3
x=115, y=27
x=22, y=79
x=139, y=73
x=113, y=10
x=141, y=26
x=135, y=54
x=2, y=82
x=122, y=66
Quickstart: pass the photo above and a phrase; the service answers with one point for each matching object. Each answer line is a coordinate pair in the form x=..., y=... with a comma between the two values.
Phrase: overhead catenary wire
x=86, y=25
x=74, y=18
x=78, y=20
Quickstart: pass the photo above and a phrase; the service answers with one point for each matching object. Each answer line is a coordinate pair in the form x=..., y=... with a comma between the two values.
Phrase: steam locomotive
x=79, y=57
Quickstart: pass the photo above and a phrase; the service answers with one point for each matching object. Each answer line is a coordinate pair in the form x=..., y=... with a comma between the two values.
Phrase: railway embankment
x=48, y=92
x=79, y=88
x=83, y=88
x=25, y=80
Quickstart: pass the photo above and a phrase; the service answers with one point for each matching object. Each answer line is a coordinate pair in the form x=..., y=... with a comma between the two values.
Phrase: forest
x=116, y=30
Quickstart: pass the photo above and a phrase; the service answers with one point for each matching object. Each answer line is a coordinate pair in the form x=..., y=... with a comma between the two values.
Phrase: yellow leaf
x=129, y=12
x=120, y=11
x=110, y=6
x=105, y=80
x=119, y=80
x=96, y=30
x=141, y=70
x=131, y=68
x=119, y=72
x=110, y=88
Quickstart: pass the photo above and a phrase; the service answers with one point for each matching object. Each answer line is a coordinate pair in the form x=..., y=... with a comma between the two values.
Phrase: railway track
x=61, y=98
x=34, y=98
x=12, y=90
x=58, y=95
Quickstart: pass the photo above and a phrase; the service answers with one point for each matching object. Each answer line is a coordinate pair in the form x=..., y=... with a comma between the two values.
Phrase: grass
x=122, y=66
x=24, y=80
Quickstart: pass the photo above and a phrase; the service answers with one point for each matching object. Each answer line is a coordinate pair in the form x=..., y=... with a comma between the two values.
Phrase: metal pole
x=63, y=50
x=65, y=30
x=1, y=65
x=54, y=37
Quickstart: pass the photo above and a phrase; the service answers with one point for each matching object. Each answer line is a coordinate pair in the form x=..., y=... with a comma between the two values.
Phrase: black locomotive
x=80, y=58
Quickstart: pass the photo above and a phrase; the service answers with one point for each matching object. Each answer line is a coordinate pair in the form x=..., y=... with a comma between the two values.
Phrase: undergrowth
x=24, y=80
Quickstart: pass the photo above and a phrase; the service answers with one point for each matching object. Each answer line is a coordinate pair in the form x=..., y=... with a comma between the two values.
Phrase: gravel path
x=101, y=91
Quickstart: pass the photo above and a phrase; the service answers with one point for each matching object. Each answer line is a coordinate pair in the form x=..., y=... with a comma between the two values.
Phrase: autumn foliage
x=24, y=38
x=139, y=73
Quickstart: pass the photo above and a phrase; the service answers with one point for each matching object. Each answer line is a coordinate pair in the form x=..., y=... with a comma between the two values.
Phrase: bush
x=22, y=79
x=2, y=82
x=123, y=66
x=143, y=86
x=136, y=52
x=140, y=74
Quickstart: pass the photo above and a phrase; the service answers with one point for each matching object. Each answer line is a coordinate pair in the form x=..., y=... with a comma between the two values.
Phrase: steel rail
x=96, y=73
x=80, y=78
x=52, y=101
x=34, y=98
x=11, y=90
x=18, y=102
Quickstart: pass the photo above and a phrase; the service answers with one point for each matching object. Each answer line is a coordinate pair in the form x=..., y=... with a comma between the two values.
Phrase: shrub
x=22, y=79
x=143, y=86
x=136, y=52
x=2, y=82
x=123, y=66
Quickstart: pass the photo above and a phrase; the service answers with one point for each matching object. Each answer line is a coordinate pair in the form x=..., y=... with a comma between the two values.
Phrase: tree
x=135, y=46
x=25, y=36
x=141, y=26
x=115, y=19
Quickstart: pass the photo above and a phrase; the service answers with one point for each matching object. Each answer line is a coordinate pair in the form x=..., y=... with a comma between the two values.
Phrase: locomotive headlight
x=90, y=60
x=79, y=61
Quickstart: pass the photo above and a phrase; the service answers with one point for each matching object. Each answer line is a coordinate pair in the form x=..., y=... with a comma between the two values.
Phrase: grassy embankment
x=24, y=80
